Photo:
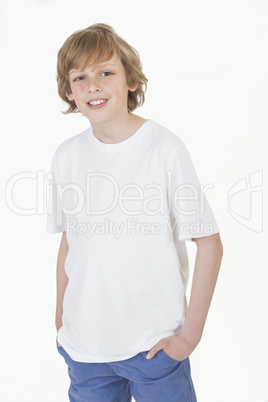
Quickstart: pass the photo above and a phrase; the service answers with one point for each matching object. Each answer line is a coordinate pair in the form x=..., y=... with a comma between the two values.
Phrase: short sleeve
x=189, y=207
x=56, y=220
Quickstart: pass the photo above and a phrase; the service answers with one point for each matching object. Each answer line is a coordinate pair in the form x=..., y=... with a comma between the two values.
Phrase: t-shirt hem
x=53, y=229
x=197, y=236
x=109, y=359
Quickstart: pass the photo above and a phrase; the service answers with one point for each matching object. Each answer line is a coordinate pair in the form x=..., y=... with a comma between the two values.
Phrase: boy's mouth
x=97, y=103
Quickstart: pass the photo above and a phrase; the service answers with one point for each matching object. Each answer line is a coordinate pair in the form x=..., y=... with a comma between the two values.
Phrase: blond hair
x=96, y=44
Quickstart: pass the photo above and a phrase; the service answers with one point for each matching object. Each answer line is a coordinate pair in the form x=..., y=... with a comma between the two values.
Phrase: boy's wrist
x=191, y=334
x=58, y=324
x=58, y=327
x=191, y=339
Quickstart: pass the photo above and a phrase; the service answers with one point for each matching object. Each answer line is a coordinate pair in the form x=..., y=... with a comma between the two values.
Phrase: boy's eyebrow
x=73, y=70
x=107, y=64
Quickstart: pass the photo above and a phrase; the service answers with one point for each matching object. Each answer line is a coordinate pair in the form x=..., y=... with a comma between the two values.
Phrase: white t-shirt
x=127, y=263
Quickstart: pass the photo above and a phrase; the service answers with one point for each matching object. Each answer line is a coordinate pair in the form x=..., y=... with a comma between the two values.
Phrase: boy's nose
x=93, y=86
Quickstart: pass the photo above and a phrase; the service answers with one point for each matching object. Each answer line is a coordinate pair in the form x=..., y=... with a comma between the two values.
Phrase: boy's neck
x=114, y=132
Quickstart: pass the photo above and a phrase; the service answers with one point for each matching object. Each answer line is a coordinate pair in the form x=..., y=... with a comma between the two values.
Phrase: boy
x=126, y=197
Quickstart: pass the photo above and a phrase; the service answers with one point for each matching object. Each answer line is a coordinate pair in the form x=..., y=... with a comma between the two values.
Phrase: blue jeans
x=160, y=379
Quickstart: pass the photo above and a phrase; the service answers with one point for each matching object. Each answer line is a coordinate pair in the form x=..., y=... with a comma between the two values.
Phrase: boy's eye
x=79, y=79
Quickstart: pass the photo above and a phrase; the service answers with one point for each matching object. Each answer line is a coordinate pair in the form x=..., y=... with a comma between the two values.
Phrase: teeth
x=95, y=103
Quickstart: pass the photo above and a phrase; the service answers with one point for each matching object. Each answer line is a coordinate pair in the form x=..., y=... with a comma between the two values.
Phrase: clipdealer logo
x=244, y=198
x=131, y=198
x=247, y=192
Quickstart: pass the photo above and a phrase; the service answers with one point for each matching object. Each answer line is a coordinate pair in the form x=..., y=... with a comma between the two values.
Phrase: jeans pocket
x=167, y=357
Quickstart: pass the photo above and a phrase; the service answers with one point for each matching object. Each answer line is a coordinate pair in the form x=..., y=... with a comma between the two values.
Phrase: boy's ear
x=70, y=97
x=133, y=87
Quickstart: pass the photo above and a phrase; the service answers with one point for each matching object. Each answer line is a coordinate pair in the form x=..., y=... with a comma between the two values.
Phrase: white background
x=206, y=62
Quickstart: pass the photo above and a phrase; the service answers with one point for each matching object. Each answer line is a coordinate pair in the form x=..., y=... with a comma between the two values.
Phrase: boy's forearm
x=207, y=265
x=62, y=279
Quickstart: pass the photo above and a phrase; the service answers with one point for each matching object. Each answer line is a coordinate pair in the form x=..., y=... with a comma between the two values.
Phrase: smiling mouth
x=97, y=103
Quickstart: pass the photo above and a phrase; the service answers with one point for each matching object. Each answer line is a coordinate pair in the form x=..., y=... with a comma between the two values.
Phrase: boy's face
x=101, y=92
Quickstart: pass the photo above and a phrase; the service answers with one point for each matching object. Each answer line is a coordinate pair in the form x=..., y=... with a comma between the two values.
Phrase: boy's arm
x=207, y=265
x=62, y=279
